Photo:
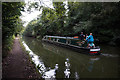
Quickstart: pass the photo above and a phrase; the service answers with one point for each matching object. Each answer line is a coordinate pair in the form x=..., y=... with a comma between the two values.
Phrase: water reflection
x=76, y=76
x=50, y=73
x=67, y=70
x=91, y=62
x=57, y=62
x=39, y=64
x=52, y=49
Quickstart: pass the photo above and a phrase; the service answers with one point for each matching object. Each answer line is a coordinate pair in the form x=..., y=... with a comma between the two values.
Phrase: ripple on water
x=109, y=55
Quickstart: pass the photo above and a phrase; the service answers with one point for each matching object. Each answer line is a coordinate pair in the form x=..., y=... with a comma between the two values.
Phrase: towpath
x=18, y=65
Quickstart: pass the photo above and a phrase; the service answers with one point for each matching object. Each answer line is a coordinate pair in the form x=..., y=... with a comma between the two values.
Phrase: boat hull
x=84, y=50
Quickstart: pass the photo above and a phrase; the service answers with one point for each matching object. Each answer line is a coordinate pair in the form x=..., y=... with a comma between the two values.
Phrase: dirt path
x=18, y=65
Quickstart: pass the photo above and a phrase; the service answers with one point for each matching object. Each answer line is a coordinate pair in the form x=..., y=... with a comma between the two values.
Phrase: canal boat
x=72, y=43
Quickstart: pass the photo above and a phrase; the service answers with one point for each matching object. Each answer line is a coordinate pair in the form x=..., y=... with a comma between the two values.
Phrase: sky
x=27, y=17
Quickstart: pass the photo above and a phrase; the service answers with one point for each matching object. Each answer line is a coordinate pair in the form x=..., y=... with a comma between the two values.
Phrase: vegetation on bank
x=102, y=19
x=11, y=24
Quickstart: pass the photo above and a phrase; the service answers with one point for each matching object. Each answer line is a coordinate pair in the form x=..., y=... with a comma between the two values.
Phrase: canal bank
x=18, y=64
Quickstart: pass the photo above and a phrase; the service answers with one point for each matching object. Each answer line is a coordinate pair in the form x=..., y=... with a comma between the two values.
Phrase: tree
x=11, y=23
x=102, y=19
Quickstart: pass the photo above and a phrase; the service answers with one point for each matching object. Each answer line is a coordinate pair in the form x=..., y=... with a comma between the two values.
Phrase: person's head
x=83, y=35
x=81, y=32
x=90, y=33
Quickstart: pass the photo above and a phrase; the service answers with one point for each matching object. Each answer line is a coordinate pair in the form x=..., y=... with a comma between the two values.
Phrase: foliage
x=102, y=19
x=11, y=23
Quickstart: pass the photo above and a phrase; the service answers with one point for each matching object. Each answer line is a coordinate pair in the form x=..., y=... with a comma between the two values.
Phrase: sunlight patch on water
x=40, y=65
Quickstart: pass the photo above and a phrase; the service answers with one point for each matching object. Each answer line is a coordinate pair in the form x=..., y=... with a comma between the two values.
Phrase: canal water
x=57, y=62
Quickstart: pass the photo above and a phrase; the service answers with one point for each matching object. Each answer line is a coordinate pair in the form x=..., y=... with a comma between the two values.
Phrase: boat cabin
x=71, y=42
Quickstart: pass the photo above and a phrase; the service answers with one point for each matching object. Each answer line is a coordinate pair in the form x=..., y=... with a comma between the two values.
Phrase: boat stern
x=95, y=51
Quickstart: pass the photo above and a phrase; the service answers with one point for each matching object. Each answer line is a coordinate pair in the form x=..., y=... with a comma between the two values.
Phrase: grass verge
x=7, y=45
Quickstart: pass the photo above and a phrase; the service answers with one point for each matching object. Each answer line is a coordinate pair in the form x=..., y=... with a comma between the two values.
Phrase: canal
x=57, y=62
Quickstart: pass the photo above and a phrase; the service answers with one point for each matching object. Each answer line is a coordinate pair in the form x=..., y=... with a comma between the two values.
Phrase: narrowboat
x=72, y=43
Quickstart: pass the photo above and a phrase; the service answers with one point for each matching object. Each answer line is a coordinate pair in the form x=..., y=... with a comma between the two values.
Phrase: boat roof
x=60, y=37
